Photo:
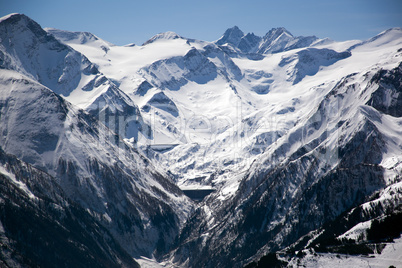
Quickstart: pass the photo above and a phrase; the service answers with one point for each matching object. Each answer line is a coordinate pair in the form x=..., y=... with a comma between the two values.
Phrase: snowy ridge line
x=21, y=185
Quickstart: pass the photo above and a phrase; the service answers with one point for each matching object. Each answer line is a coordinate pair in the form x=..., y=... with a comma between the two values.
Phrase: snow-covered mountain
x=116, y=184
x=324, y=167
x=29, y=50
x=38, y=220
x=276, y=40
x=290, y=133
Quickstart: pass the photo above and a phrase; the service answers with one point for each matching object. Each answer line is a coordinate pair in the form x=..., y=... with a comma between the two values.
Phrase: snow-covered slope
x=205, y=98
x=39, y=220
x=333, y=158
x=29, y=50
x=276, y=40
x=253, y=123
x=389, y=257
x=91, y=164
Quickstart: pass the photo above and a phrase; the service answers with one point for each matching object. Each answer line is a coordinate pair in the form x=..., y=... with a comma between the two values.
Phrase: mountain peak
x=75, y=37
x=19, y=23
x=276, y=32
x=391, y=31
x=249, y=42
x=26, y=32
x=231, y=36
x=390, y=36
x=163, y=36
x=17, y=18
x=235, y=29
x=12, y=17
x=276, y=40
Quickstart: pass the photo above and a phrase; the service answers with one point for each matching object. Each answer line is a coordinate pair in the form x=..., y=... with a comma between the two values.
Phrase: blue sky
x=122, y=22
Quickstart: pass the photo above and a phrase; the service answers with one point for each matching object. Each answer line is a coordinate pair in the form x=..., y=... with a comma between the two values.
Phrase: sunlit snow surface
x=222, y=125
x=223, y=115
x=21, y=185
x=211, y=116
x=391, y=255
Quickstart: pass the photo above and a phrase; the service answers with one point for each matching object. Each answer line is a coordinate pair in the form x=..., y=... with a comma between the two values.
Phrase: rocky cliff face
x=274, y=41
x=38, y=218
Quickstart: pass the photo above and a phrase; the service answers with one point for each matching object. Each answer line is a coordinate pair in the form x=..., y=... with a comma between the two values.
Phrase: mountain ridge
x=274, y=41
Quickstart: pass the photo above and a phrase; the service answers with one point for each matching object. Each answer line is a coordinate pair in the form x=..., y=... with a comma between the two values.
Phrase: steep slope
x=311, y=175
x=308, y=61
x=38, y=220
x=95, y=168
x=274, y=41
x=175, y=66
x=279, y=39
x=163, y=36
x=231, y=36
x=288, y=133
x=81, y=38
x=29, y=50
x=212, y=100
x=249, y=42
